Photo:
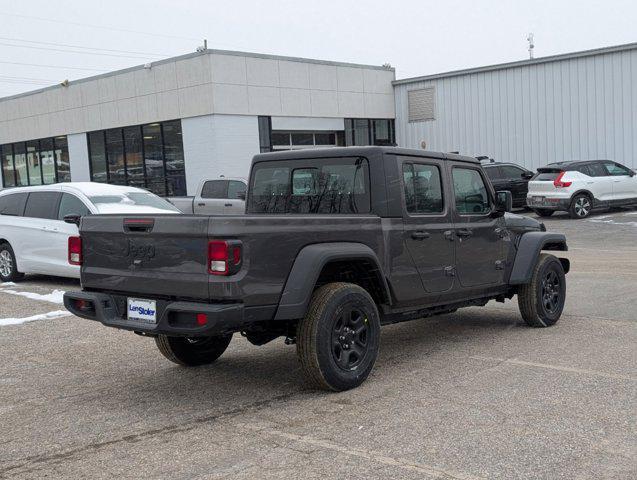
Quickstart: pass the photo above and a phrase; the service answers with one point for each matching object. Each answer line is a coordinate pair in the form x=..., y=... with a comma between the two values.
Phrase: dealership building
x=169, y=124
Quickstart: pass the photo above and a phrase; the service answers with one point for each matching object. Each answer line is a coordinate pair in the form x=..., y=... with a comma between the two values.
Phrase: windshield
x=137, y=202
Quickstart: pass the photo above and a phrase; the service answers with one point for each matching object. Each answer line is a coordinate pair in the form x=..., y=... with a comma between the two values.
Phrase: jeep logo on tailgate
x=138, y=252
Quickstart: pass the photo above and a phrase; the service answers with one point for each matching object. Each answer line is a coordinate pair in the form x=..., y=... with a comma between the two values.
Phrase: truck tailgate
x=163, y=255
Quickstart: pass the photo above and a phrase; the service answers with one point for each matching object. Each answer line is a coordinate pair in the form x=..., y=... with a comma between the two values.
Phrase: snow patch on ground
x=7, y=284
x=43, y=316
x=56, y=296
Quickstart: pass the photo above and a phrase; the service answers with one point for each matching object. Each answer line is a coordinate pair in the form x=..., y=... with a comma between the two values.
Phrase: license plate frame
x=537, y=200
x=141, y=310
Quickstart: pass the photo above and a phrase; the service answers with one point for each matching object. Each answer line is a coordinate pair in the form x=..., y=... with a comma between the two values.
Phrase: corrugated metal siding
x=579, y=108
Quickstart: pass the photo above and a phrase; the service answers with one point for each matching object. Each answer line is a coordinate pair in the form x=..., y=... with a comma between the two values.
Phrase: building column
x=78, y=157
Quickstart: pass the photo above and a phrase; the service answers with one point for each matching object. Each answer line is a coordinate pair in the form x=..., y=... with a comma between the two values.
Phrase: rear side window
x=215, y=189
x=42, y=205
x=71, y=205
x=470, y=192
x=13, y=204
x=597, y=170
x=328, y=185
x=584, y=169
x=423, y=189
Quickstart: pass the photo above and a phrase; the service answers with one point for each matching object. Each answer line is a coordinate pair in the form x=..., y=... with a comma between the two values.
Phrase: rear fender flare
x=529, y=248
x=306, y=269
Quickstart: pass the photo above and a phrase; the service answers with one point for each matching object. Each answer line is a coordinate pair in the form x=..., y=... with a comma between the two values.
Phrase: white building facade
x=166, y=125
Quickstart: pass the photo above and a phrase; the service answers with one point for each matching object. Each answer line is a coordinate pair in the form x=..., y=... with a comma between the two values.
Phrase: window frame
x=486, y=186
x=412, y=161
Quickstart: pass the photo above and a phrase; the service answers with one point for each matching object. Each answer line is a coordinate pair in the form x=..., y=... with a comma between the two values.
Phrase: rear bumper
x=548, y=202
x=173, y=318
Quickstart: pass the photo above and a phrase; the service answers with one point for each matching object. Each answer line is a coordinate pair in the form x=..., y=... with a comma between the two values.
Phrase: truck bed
x=169, y=259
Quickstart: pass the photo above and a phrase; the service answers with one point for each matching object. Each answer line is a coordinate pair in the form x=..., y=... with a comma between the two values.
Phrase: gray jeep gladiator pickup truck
x=334, y=244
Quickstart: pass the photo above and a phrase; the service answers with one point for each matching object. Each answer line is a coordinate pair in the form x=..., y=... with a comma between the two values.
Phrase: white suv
x=580, y=187
x=34, y=238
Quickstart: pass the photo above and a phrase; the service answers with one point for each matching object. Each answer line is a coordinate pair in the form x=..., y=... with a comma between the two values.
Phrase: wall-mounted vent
x=421, y=104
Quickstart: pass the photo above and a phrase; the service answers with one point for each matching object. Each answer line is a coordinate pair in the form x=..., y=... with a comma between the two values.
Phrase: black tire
x=542, y=212
x=192, y=352
x=581, y=206
x=8, y=265
x=337, y=342
x=541, y=301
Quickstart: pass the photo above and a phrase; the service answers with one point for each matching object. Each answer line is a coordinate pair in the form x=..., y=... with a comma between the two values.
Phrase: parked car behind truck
x=581, y=187
x=33, y=235
x=222, y=196
x=334, y=243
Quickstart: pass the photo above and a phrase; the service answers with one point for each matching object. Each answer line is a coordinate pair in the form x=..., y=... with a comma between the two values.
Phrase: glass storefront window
x=20, y=161
x=115, y=156
x=47, y=161
x=97, y=154
x=62, y=164
x=8, y=170
x=33, y=163
x=147, y=156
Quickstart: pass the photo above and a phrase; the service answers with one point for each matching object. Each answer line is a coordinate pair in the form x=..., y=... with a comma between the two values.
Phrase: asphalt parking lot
x=471, y=395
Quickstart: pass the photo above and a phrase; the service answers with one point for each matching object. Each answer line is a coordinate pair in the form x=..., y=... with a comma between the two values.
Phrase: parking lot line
x=595, y=373
x=402, y=463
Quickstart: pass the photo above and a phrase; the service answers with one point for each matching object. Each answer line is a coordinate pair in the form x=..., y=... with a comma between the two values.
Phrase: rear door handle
x=201, y=204
x=449, y=235
x=464, y=232
x=420, y=235
x=228, y=204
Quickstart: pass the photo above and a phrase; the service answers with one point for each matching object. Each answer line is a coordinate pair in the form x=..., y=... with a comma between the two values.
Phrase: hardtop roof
x=367, y=151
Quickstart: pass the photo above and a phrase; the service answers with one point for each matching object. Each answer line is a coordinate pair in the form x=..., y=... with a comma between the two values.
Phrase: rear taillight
x=558, y=183
x=75, y=250
x=224, y=257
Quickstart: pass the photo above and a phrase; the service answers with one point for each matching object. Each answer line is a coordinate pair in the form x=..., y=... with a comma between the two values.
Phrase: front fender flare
x=307, y=268
x=529, y=248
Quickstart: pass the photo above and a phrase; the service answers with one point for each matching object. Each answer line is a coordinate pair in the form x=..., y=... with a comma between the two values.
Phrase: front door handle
x=228, y=204
x=464, y=232
x=420, y=235
x=201, y=204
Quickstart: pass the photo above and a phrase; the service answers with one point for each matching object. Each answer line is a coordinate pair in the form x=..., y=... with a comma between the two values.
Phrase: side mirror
x=241, y=195
x=503, y=201
x=632, y=173
x=73, y=219
x=527, y=175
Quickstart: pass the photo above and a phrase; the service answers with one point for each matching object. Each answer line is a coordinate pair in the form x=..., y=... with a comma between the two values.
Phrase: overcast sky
x=417, y=37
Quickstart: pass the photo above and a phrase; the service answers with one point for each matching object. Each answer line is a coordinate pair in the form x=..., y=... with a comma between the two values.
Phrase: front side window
x=616, y=170
x=493, y=173
x=423, y=189
x=511, y=173
x=329, y=185
x=71, y=205
x=470, y=192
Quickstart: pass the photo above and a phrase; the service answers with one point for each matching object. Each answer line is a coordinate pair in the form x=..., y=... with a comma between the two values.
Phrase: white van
x=33, y=235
